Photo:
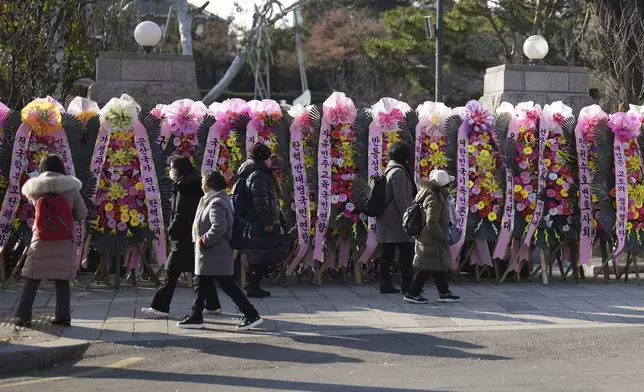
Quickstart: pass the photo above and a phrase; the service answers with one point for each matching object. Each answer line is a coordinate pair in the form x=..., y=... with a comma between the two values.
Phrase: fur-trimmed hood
x=49, y=182
x=427, y=187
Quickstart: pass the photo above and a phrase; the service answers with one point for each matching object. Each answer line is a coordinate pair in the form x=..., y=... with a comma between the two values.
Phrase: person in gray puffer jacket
x=390, y=233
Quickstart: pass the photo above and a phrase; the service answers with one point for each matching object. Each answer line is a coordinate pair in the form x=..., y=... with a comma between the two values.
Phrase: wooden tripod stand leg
x=117, y=272
x=357, y=270
x=17, y=269
x=544, y=271
x=3, y=266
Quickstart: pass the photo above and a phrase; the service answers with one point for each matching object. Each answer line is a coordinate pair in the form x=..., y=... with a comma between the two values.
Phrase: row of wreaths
x=527, y=177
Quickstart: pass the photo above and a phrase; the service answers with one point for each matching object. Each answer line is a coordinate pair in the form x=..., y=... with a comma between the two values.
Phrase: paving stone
x=364, y=322
x=329, y=324
x=295, y=325
x=434, y=321
x=321, y=311
x=400, y=322
x=516, y=306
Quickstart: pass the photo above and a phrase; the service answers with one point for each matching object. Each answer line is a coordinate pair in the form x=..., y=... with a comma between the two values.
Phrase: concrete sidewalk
x=104, y=314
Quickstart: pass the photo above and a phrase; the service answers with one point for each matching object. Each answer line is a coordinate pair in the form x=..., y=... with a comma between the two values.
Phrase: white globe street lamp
x=147, y=34
x=535, y=48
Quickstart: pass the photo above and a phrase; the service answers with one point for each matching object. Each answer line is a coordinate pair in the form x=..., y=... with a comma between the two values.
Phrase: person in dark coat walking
x=433, y=256
x=266, y=246
x=211, y=232
x=390, y=233
x=186, y=193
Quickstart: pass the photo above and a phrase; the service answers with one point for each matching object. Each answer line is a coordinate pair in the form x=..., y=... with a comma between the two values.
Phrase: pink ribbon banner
x=252, y=134
x=213, y=146
x=324, y=189
x=418, y=149
x=152, y=194
x=621, y=185
x=374, y=170
x=585, y=200
x=507, y=223
x=96, y=166
x=462, y=190
x=12, y=196
x=543, y=172
x=300, y=196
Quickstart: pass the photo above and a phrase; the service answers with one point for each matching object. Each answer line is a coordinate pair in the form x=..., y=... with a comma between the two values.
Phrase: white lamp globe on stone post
x=535, y=48
x=147, y=34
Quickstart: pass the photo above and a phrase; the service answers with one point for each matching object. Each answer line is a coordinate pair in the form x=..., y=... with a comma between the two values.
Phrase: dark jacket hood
x=250, y=166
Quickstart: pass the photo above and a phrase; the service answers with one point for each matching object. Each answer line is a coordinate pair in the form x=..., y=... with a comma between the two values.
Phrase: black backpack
x=413, y=221
x=374, y=204
x=242, y=203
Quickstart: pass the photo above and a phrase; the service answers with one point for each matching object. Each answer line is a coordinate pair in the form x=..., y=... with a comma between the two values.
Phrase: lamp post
x=147, y=34
x=437, y=32
x=535, y=48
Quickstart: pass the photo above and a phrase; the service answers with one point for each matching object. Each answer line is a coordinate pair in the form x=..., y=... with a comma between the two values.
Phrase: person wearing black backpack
x=433, y=256
x=399, y=195
x=52, y=252
x=257, y=202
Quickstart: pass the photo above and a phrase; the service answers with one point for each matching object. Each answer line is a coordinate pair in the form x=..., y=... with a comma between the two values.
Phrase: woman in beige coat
x=432, y=252
x=53, y=259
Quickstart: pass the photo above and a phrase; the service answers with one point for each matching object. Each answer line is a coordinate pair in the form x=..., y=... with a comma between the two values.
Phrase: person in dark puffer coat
x=186, y=193
x=266, y=246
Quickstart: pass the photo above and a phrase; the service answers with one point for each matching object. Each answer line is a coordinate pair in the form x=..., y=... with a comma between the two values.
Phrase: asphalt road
x=551, y=360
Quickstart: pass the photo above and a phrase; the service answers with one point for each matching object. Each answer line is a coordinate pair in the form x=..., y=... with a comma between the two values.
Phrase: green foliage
x=44, y=47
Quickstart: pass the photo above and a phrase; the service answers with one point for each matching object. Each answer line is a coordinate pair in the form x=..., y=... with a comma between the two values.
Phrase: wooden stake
x=542, y=262
x=15, y=274
x=357, y=270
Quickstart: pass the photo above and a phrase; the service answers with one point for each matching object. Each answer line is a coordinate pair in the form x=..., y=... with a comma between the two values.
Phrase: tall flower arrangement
x=480, y=190
x=264, y=118
x=128, y=198
x=225, y=148
x=556, y=219
x=431, y=140
x=337, y=171
x=40, y=134
x=5, y=159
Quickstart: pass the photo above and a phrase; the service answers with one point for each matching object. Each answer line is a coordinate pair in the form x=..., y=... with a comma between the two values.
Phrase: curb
x=17, y=358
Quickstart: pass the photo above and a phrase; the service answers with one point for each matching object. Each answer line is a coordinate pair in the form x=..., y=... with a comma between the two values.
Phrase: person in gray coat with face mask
x=211, y=233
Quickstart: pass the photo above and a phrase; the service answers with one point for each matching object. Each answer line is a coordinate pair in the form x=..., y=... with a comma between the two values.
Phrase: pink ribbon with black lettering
x=324, y=188
x=462, y=190
x=12, y=196
x=538, y=211
x=213, y=145
x=300, y=195
x=585, y=200
x=621, y=186
x=507, y=223
x=152, y=194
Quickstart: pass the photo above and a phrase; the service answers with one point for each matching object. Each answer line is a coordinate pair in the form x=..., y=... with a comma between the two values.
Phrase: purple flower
x=478, y=117
x=551, y=193
x=122, y=226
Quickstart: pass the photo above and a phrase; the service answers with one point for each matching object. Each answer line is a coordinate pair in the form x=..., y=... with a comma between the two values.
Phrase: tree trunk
x=185, y=26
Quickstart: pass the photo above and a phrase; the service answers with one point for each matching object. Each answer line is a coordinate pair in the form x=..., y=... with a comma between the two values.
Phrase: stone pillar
x=542, y=84
x=150, y=79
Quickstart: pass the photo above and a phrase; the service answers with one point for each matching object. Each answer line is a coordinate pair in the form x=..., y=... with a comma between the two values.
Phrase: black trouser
x=405, y=260
x=63, y=298
x=205, y=288
x=257, y=272
x=440, y=280
x=163, y=296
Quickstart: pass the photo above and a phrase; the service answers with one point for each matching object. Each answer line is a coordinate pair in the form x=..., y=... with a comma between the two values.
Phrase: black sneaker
x=20, y=322
x=449, y=297
x=64, y=323
x=249, y=322
x=191, y=322
x=389, y=289
x=257, y=293
x=415, y=299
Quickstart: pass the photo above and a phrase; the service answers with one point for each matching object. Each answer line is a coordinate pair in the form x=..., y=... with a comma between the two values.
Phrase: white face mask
x=174, y=176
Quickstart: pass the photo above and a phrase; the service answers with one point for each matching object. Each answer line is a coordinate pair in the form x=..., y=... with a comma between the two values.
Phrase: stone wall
x=149, y=78
x=542, y=84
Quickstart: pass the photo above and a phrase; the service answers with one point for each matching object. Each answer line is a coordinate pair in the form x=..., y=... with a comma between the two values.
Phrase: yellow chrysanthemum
x=559, y=181
x=629, y=226
x=527, y=150
x=524, y=194
x=139, y=186
x=116, y=192
x=594, y=198
x=491, y=216
x=470, y=184
x=528, y=218
x=134, y=222
x=548, y=162
x=471, y=148
x=133, y=213
x=109, y=207
x=438, y=159
x=517, y=188
x=124, y=209
x=480, y=205
x=230, y=142
x=423, y=162
x=125, y=218
x=433, y=146
x=564, y=193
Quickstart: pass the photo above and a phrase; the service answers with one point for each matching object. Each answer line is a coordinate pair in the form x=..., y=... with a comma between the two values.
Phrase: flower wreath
x=4, y=141
x=556, y=218
x=337, y=171
x=128, y=197
x=590, y=119
x=431, y=140
x=224, y=149
x=41, y=133
x=518, y=132
x=479, y=186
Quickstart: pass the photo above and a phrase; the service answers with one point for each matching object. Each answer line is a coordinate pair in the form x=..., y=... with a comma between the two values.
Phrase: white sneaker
x=151, y=312
x=215, y=311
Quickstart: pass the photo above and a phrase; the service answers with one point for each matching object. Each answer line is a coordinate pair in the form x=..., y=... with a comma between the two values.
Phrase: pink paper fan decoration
x=626, y=126
x=184, y=116
x=339, y=109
